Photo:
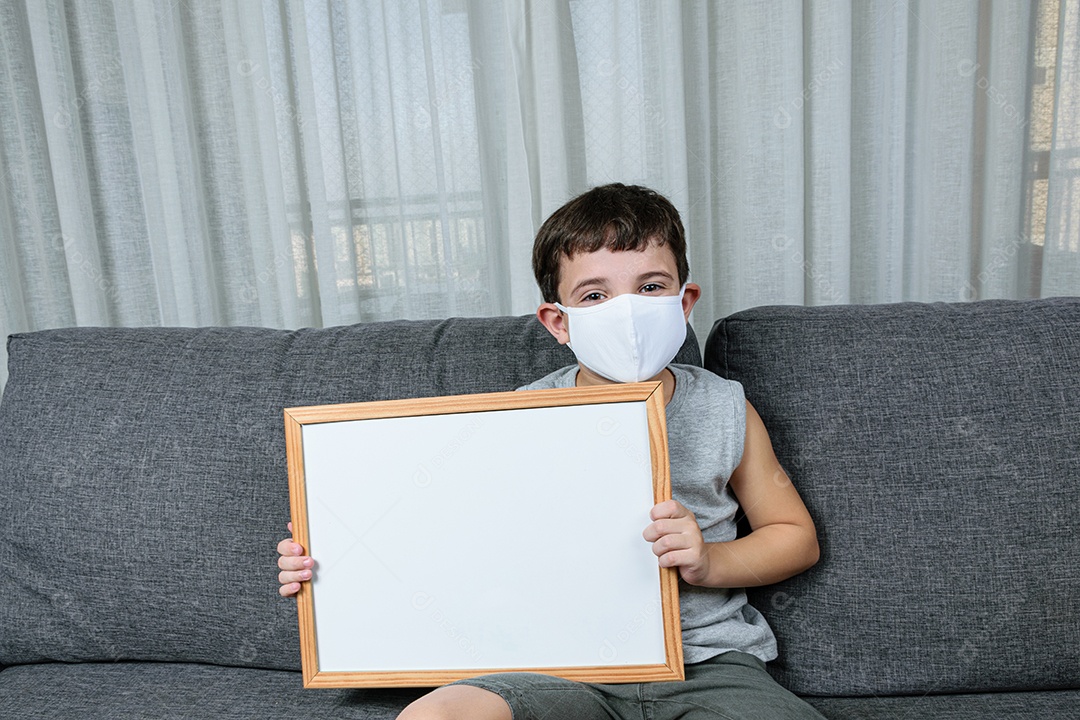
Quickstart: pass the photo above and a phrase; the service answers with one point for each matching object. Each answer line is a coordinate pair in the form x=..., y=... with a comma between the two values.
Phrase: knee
x=457, y=702
x=425, y=710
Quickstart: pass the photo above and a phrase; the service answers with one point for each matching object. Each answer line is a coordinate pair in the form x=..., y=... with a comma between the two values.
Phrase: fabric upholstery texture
x=937, y=448
x=165, y=691
x=1044, y=705
x=144, y=481
x=171, y=691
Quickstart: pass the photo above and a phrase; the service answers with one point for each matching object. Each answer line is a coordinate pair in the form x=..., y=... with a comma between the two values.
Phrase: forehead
x=616, y=265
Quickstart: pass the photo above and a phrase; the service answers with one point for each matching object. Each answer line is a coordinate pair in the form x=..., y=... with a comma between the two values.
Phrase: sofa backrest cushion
x=937, y=447
x=143, y=481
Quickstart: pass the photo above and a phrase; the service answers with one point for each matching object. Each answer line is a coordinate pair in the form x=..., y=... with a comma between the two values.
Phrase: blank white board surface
x=456, y=543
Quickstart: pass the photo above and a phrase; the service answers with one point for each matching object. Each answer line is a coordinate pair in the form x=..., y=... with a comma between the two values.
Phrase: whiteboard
x=485, y=533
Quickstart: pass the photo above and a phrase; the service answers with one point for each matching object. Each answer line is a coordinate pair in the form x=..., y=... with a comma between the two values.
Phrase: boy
x=611, y=265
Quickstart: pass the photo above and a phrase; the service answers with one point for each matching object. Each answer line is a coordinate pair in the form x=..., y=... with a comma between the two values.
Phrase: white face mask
x=628, y=338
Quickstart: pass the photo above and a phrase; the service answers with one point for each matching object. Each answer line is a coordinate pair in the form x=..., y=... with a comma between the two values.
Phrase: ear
x=689, y=299
x=555, y=321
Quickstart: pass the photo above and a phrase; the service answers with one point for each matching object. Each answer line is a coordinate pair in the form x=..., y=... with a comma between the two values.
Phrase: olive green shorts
x=733, y=685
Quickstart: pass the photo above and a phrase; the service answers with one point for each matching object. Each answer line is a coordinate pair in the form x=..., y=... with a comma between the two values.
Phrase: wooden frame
x=461, y=469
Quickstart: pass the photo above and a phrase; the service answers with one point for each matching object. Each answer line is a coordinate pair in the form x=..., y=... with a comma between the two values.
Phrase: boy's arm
x=782, y=541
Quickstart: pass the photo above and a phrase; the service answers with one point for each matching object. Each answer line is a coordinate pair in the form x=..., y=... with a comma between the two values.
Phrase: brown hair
x=616, y=217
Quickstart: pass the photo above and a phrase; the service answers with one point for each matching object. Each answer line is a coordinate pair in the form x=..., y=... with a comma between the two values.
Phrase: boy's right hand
x=294, y=565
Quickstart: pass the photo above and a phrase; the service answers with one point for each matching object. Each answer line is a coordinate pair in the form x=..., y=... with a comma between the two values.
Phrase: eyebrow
x=589, y=281
x=656, y=273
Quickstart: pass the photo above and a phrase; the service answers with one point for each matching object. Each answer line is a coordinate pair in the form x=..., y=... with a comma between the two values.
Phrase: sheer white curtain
x=285, y=163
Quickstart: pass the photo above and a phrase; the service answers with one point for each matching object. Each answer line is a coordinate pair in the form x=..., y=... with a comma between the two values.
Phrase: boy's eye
x=649, y=287
x=593, y=297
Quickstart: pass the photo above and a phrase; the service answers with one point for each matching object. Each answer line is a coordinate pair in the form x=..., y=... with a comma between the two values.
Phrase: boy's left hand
x=676, y=540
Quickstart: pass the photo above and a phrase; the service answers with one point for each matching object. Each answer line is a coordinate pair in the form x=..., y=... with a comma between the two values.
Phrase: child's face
x=591, y=278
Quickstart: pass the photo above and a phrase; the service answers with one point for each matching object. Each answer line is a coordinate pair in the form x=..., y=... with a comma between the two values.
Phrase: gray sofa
x=143, y=489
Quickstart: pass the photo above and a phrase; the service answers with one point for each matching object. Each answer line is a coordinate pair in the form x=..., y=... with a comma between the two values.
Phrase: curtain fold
x=286, y=164
x=1060, y=273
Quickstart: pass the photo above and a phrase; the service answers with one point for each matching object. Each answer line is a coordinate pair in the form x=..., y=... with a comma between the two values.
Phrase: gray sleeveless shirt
x=706, y=427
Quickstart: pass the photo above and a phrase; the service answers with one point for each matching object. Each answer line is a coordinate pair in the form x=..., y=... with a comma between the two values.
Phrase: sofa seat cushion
x=63, y=691
x=1042, y=704
x=57, y=691
x=937, y=448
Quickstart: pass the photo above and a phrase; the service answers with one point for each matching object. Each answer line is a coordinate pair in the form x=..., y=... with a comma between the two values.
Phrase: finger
x=677, y=558
x=289, y=590
x=286, y=577
x=668, y=526
x=670, y=543
x=287, y=562
x=290, y=547
x=289, y=525
x=669, y=509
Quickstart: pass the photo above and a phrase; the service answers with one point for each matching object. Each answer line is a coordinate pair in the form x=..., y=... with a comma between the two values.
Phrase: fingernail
x=308, y=562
